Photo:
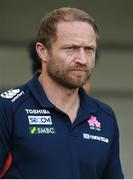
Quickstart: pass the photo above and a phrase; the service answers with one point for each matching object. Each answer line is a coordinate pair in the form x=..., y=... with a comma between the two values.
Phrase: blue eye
x=69, y=48
x=90, y=49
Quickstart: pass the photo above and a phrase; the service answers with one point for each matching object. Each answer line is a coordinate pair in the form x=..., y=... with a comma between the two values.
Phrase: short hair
x=48, y=26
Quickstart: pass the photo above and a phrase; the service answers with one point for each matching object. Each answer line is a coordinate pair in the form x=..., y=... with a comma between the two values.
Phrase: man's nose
x=82, y=57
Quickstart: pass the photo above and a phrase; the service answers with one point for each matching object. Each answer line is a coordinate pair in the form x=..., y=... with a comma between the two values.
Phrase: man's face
x=72, y=56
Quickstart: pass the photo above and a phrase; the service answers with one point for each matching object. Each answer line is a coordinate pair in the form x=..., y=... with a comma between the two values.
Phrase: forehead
x=75, y=32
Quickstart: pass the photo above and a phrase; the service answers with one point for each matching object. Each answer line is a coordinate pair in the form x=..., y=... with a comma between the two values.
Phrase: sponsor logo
x=10, y=93
x=94, y=123
x=13, y=94
x=17, y=96
x=37, y=111
x=94, y=137
x=41, y=130
x=43, y=120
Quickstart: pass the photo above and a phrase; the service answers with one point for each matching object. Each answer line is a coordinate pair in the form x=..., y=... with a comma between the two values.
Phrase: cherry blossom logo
x=94, y=124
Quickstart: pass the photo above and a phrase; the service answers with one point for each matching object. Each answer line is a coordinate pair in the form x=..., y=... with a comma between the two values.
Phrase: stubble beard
x=63, y=76
x=65, y=79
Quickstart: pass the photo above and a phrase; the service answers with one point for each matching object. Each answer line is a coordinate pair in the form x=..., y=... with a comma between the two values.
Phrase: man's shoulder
x=102, y=106
x=14, y=96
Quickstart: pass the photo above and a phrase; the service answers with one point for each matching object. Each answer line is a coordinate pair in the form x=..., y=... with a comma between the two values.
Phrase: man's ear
x=41, y=51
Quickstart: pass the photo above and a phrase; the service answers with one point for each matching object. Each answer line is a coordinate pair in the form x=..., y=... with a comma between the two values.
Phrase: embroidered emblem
x=94, y=123
x=12, y=94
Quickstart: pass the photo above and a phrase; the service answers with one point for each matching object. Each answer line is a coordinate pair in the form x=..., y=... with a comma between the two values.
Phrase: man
x=51, y=127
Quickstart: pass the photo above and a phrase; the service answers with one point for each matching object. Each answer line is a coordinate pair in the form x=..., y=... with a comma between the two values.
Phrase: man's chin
x=75, y=85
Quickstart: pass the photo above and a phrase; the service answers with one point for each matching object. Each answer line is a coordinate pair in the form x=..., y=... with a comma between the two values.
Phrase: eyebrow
x=78, y=46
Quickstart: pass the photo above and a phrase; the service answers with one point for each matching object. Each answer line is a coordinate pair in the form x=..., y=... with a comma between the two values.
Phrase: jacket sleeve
x=113, y=168
x=5, y=131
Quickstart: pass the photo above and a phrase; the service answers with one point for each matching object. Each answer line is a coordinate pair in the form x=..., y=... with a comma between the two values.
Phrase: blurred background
x=112, y=79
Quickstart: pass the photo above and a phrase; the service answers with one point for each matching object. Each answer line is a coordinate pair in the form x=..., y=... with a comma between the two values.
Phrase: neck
x=67, y=100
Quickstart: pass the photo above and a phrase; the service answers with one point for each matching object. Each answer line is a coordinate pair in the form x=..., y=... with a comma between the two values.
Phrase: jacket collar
x=87, y=104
